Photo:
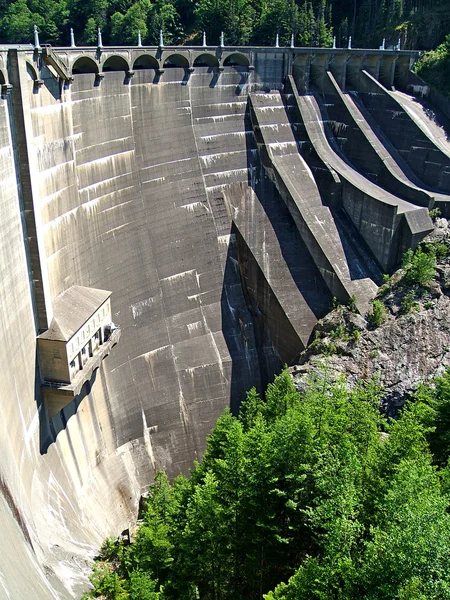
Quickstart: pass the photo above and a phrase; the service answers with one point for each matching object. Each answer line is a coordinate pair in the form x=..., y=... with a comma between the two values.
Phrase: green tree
x=17, y=24
x=323, y=35
x=152, y=549
x=125, y=28
x=142, y=587
x=306, y=25
x=434, y=67
x=54, y=17
x=164, y=16
x=234, y=17
x=280, y=16
x=422, y=268
x=320, y=491
x=378, y=313
x=90, y=32
x=409, y=545
x=251, y=408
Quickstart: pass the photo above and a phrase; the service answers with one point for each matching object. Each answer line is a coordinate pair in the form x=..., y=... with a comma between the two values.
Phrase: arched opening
x=145, y=61
x=2, y=78
x=31, y=72
x=206, y=60
x=176, y=60
x=236, y=60
x=115, y=63
x=84, y=64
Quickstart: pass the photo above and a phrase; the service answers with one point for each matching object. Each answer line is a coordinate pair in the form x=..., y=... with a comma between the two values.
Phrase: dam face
x=222, y=219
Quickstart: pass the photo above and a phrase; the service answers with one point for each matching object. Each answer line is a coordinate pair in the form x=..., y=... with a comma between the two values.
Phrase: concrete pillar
x=319, y=67
x=371, y=64
x=387, y=70
x=354, y=64
x=301, y=68
x=99, y=39
x=402, y=67
x=37, y=45
x=338, y=67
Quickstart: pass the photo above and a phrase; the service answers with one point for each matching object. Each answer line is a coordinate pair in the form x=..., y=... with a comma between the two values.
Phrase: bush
x=439, y=249
x=356, y=335
x=407, y=259
x=324, y=347
x=434, y=66
x=408, y=303
x=435, y=213
x=421, y=268
x=351, y=304
x=339, y=333
x=377, y=314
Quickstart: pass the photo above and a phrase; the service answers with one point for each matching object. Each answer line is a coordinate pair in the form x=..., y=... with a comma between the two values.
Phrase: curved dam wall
x=150, y=186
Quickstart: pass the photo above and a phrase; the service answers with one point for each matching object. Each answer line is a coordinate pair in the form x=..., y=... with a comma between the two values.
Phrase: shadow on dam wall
x=148, y=184
x=295, y=254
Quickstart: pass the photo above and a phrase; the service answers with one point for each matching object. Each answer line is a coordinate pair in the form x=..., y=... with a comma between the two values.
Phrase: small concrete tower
x=37, y=45
x=99, y=38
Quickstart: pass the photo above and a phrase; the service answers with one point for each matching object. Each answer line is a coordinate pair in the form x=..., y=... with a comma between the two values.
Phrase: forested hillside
x=420, y=24
x=434, y=67
x=315, y=497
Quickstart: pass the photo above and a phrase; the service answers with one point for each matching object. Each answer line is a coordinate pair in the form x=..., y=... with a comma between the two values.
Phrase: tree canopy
x=316, y=496
x=420, y=24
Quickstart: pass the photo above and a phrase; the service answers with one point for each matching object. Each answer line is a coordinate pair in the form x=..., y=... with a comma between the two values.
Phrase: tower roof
x=71, y=310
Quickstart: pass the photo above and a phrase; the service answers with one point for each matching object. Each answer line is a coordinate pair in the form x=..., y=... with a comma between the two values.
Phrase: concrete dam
x=213, y=201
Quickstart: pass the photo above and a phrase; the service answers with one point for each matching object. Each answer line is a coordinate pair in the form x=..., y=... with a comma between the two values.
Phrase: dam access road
x=219, y=198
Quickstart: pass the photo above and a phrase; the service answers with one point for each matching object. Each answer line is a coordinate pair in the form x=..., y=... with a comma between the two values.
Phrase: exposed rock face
x=410, y=346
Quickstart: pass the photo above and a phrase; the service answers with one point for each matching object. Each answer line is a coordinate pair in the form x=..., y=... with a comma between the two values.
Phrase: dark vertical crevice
x=20, y=148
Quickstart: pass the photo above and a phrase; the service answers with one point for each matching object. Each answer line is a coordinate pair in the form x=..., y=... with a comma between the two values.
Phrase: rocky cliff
x=410, y=344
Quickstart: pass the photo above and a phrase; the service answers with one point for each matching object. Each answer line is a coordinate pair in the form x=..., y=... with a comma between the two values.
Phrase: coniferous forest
x=317, y=496
x=420, y=24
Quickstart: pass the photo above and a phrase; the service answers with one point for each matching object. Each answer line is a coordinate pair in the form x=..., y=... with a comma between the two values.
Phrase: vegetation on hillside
x=434, y=67
x=312, y=496
x=419, y=24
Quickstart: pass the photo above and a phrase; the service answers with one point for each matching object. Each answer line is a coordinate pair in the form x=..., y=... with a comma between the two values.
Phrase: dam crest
x=222, y=196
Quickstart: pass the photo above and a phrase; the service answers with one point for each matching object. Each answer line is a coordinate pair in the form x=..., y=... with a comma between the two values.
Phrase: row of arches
x=85, y=64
